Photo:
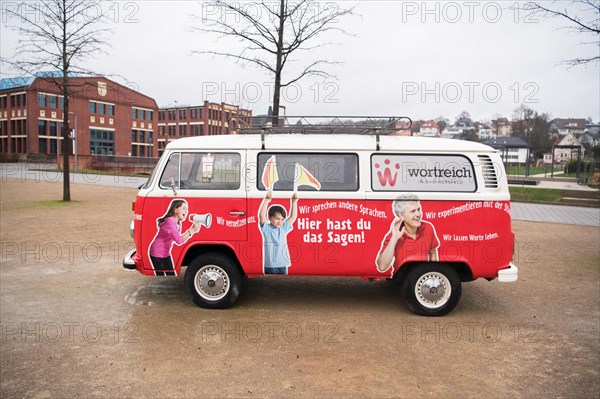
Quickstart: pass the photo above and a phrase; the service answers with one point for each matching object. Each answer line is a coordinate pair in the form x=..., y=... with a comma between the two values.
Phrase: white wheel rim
x=433, y=290
x=211, y=282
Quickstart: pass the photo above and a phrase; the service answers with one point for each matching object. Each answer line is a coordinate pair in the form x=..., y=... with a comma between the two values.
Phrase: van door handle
x=237, y=213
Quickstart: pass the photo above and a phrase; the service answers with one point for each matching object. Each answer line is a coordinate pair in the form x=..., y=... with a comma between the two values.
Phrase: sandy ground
x=74, y=323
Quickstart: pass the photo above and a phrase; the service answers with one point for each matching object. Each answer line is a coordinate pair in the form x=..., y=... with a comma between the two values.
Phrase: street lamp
x=74, y=138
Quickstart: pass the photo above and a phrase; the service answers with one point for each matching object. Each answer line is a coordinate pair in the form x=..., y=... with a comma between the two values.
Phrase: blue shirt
x=275, y=249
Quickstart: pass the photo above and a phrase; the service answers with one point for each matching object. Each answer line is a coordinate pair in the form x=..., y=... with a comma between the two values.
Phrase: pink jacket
x=168, y=232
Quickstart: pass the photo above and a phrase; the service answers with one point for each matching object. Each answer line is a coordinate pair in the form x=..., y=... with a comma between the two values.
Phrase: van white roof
x=326, y=142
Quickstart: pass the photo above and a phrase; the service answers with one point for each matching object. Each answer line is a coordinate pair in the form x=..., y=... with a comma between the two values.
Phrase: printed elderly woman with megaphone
x=169, y=233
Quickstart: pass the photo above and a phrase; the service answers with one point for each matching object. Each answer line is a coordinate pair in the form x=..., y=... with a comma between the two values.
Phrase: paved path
x=555, y=214
x=519, y=211
x=46, y=172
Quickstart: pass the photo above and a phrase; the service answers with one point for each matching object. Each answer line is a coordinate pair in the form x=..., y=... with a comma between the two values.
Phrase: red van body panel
x=333, y=237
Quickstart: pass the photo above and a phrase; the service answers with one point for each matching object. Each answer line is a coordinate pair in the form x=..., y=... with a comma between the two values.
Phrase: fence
x=142, y=165
x=534, y=164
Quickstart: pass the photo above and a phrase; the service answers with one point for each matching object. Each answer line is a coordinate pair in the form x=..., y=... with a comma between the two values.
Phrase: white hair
x=399, y=204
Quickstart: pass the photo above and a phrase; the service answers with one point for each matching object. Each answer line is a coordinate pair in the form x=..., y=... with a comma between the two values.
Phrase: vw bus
x=325, y=200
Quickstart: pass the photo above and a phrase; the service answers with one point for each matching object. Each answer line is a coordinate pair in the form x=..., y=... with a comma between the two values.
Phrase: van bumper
x=129, y=260
x=509, y=275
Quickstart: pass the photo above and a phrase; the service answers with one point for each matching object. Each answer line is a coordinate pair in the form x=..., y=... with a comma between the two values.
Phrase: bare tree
x=532, y=127
x=271, y=31
x=57, y=35
x=581, y=16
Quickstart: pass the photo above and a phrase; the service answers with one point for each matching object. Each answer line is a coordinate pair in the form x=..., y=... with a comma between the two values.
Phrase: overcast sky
x=417, y=59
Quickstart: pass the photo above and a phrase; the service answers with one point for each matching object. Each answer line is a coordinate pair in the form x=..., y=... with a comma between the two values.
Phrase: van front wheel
x=431, y=289
x=213, y=281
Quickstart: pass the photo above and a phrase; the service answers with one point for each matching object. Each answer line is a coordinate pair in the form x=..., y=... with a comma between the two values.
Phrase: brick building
x=200, y=120
x=105, y=117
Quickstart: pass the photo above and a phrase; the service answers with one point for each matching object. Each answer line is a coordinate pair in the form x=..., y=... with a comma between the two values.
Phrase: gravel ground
x=74, y=323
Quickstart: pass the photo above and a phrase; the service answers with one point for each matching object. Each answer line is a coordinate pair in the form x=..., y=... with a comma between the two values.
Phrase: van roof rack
x=330, y=125
x=365, y=125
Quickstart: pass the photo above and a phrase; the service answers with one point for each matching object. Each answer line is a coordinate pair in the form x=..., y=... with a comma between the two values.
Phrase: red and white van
x=429, y=213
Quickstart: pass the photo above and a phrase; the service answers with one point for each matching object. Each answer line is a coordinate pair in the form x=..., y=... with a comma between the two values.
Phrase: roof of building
x=430, y=124
x=560, y=123
x=12, y=83
x=507, y=142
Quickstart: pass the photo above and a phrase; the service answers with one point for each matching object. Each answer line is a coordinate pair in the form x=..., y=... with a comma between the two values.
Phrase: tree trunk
x=65, y=128
x=277, y=89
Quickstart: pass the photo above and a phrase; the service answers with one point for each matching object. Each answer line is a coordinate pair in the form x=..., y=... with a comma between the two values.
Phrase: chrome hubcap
x=433, y=290
x=211, y=282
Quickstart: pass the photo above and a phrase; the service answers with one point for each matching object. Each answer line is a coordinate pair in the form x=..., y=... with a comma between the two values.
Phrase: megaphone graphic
x=204, y=219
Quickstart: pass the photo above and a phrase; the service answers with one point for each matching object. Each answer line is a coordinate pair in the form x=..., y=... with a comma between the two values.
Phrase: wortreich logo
x=440, y=172
x=386, y=177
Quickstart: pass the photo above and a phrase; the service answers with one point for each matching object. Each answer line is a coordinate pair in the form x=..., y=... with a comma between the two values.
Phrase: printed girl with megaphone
x=169, y=233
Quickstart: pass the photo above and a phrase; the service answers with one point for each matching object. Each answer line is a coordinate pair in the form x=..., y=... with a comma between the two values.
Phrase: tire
x=213, y=280
x=431, y=289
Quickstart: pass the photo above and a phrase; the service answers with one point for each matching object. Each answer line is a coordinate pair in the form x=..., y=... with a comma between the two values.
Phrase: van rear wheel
x=213, y=280
x=431, y=289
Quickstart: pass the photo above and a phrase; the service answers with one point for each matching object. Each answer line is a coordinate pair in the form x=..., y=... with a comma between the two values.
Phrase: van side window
x=333, y=171
x=202, y=171
x=171, y=172
x=422, y=172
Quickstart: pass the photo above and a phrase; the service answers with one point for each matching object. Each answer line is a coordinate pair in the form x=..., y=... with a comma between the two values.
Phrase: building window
x=92, y=107
x=134, y=136
x=149, y=138
x=134, y=150
x=149, y=115
x=53, y=102
x=182, y=114
x=142, y=137
x=134, y=113
x=41, y=100
x=102, y=142
x=142, y=151
x=111, y=110
x=43, y=146
x=101, y=108
x=53, y=146
x=42, y=128
x=53, y=129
